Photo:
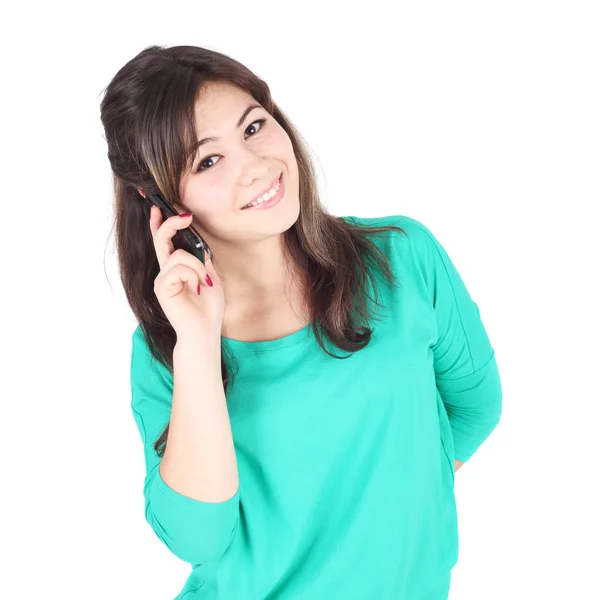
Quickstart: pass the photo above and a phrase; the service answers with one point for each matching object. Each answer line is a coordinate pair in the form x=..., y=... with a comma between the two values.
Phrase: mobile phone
x=188, y=238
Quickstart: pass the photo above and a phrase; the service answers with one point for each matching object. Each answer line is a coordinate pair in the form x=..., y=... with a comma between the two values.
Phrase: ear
x=142, y=192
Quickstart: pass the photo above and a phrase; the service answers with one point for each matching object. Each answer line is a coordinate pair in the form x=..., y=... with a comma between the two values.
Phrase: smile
x=269, y=198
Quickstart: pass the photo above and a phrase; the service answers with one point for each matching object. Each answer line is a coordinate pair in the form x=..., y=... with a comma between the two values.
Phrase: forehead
x=218, y=100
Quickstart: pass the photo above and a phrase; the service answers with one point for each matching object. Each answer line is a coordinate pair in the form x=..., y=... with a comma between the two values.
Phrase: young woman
x=278, y=468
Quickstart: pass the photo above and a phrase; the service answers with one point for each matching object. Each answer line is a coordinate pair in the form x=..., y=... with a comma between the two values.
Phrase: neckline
x=302, y=335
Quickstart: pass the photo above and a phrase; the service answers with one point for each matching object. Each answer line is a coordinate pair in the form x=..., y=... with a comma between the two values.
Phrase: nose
x=255, y=167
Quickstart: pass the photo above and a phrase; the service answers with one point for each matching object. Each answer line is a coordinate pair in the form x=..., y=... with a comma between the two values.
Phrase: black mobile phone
x=187, y=238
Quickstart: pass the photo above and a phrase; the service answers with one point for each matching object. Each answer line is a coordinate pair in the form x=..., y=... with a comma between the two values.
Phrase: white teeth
x=267, y=196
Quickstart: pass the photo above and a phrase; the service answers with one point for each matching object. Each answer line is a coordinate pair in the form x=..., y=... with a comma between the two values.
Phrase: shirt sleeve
x=465, y=365
x=196, y=532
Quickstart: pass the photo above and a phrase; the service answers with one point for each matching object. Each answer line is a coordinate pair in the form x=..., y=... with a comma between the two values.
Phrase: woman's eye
x=203, y=161
x=261, y=121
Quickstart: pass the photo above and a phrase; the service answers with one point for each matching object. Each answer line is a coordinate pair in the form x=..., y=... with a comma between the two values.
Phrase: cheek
x=277, y=138
x=281, y=146
x=215, y=199
x=209, y=197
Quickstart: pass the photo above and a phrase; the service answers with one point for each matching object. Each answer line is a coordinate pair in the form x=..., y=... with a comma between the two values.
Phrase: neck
x=254, y=272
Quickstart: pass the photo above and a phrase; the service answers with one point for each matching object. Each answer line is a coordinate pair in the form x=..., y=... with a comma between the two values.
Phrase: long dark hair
x=148, y=114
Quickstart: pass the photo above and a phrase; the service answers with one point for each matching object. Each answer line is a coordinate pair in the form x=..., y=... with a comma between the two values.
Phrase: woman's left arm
x=466, y=373
x=457, y=465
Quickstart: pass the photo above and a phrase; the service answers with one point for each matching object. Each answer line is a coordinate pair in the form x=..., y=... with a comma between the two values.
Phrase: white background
x=480, y=119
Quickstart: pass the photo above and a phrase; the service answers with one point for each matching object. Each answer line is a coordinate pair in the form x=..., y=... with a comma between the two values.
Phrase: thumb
x=208, y=264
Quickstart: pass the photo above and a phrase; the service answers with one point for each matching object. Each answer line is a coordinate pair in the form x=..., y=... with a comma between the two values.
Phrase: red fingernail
x=185, y=215
x=209, y=281
x=198, y=289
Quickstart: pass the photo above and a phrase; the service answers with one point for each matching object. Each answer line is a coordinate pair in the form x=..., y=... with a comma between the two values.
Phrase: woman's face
x=238, y=165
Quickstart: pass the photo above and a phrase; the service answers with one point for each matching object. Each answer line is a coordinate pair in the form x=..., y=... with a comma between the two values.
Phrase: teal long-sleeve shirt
x=346, y=467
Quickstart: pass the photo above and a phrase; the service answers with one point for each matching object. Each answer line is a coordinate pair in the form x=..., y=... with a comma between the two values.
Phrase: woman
x=276, y=467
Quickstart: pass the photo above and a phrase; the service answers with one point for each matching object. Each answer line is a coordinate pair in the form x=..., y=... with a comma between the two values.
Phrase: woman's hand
x=182, y=275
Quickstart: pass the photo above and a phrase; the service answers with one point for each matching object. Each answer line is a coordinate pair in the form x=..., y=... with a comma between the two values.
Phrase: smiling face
x=238, y=165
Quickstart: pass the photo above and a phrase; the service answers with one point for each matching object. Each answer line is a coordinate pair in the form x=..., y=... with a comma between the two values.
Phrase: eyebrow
x=239, y=124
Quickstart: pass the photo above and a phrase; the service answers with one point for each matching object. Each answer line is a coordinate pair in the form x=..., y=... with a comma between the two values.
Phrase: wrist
x=198, y=341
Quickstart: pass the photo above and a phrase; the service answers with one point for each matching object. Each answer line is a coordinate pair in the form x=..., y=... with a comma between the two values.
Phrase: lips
x=271, y=186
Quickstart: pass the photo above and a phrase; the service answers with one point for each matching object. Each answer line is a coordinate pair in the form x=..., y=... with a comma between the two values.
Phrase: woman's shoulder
x=415, y=231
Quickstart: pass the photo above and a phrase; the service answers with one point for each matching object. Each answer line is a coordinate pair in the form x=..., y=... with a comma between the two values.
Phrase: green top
x=346, y=466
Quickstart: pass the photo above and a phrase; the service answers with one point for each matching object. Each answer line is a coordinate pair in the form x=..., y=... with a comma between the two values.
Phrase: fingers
x=210, y=268
x=208, y=264
x=171, y=281
x=155, y=219
x=189, y=262
x=162, y=233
